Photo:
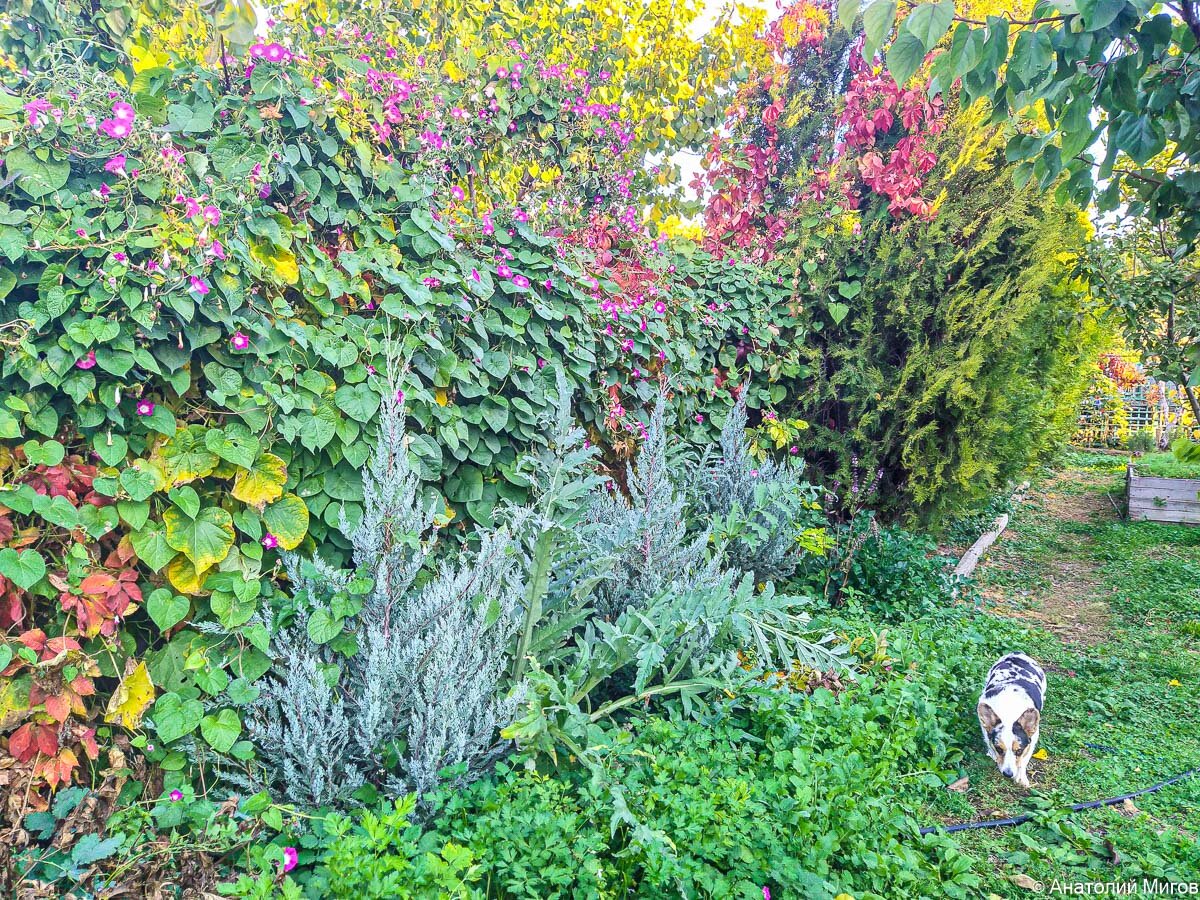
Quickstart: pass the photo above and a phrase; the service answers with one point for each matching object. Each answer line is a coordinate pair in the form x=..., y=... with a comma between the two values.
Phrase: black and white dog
x=1010, y=710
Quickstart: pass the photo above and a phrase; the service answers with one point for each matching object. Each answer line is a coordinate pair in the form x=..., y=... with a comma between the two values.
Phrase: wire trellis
x=1152, y=406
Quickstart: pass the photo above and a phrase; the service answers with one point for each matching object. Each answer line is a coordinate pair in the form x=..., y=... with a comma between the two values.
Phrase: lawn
x=1113, y=610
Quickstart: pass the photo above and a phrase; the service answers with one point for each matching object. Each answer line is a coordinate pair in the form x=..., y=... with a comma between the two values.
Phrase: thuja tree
x=958, y=359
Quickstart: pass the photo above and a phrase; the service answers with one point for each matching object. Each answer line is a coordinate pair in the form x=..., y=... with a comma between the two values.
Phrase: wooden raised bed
x=1175, y=500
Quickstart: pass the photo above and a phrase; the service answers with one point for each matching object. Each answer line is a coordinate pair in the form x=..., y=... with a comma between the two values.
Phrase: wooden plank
x=1164, y=490
x=1171, y=505
x=970, y=559
x=1165, y=512
x=1178, y=492
x=1173, y=509
x=1170, y=518
x=1163, y=484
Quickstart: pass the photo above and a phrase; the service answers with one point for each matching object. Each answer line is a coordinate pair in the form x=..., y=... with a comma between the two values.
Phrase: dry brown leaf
x=961, y=785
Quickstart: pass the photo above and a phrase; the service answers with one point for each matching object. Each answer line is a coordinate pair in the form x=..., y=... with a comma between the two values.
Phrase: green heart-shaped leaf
x=175, y=717
x=221, y=730
x=24, y=568
x=204, y=539
x=167, y=609
x=151, y=546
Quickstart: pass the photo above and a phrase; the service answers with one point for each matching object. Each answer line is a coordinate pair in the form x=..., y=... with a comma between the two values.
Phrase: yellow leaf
x=184, y=577
x=186, y=457
x=1041, y=754
x=441, y=397
x=287, y=519
x=279, y=262
x=262, y=484
x=133, y=695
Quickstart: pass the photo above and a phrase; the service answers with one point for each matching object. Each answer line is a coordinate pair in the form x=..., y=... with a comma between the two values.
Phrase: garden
x=525, y=450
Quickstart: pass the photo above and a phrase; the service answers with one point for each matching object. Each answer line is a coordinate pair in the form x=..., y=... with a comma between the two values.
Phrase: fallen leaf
x=1128, y=808
x=961, y=785
x=1023, y=880
x=1041, y=754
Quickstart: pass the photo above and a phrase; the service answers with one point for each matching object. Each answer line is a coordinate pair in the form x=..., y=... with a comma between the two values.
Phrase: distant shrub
x=1141, y=441
x=898, y=575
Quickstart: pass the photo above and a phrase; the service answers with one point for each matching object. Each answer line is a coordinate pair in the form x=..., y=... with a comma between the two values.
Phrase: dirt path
x=1065, y=595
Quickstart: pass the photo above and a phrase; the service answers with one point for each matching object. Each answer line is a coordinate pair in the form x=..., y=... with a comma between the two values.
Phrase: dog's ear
x=987, y=716
x=1029, y=720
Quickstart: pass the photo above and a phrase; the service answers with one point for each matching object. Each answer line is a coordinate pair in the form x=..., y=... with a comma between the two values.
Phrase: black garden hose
x=1078, y=807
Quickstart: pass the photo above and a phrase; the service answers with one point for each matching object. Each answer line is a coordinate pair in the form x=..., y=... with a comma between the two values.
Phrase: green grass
x=1092, y=460
x=1126, y=680
x=1166, y=465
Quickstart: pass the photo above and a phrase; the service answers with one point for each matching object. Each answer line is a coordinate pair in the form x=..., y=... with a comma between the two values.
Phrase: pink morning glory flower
x=431, y=282
x=212, y=215
x=291, y=858
x=520, y=215
x=123, y=112
x=269, y=541
x=520, y=281
x=699, y=418
x=475, y=276
x=34, y=110
x=503, y=270
x=258, y=51
x=116, y=165
x=87, y=362
x=145, y=408
x=457, y=193
x=176, y=796
x=239, y=341
x=400, y=396
x=115, y=128
x=81, y=232
x=660, y=307
x=548, y=283
x=199, y=285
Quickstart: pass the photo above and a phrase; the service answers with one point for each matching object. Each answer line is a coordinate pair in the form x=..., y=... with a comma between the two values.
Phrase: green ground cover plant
x=1166, y=465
